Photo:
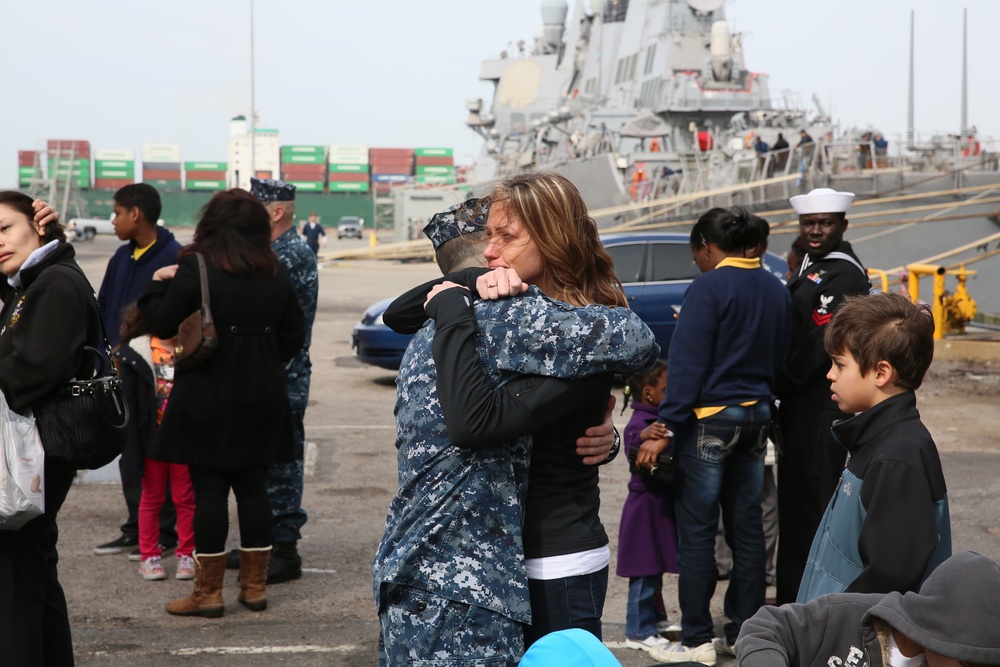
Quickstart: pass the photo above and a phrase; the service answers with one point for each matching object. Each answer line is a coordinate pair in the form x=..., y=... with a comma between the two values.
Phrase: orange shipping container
x=111, y=183
x=435, y=161
x=161, y=175
x=204, y=175
x=361, y=177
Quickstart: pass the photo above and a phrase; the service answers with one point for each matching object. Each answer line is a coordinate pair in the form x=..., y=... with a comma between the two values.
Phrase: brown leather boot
x=253, y=578
x=206, y=598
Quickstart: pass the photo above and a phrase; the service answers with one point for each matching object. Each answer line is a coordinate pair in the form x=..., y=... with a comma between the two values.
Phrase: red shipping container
x=304, y=172
x=204, y=175
x=358, y=177
x=26, y=158
x=392, y=168
x=64, y=146
x=435, y=161
x=111, y=183
x=389, y=152
x=161, y=175
x=264, y=174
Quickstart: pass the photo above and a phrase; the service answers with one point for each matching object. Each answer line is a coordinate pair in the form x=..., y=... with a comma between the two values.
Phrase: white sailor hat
x=822, y=200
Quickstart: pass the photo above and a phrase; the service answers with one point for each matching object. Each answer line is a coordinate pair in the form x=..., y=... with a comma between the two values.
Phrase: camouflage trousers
x=284, y=487
x=420, y=628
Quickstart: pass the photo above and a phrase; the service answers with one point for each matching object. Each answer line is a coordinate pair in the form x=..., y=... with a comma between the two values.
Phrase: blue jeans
x=720, y=461
x=571, y=602
x=645, y=606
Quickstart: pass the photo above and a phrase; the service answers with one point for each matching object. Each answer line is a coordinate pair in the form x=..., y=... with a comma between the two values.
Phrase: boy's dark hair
x=23, y=204
x=884, y=327
x=143, y=197
x=642, y=379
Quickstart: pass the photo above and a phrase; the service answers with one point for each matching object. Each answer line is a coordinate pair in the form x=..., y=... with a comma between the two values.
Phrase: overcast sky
x=396, y=73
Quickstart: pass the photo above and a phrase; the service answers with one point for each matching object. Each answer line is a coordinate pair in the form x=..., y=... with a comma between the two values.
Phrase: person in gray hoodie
x=950, y=622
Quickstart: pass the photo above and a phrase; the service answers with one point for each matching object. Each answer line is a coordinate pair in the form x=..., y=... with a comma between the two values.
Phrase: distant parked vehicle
x=349, y=225
x=88, y=228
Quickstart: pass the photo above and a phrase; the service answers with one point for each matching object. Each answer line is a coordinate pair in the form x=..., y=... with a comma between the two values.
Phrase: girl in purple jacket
x=647, y=537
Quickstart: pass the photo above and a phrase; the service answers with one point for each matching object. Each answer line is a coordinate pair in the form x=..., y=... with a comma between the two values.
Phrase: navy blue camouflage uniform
x=448, y=576
x=284, y=480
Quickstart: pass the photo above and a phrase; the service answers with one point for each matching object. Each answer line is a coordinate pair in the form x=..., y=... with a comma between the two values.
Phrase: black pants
x=211, y=507
x=132, y=466
x=34, y=621
x=808, y=471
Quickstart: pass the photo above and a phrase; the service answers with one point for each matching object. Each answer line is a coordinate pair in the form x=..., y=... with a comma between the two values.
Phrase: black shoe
x=121, y=545
x=233, y=559
x=285, y=563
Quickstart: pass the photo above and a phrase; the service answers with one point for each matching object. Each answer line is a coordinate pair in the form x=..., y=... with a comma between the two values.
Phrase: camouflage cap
x=464, y=218
x=268, y=190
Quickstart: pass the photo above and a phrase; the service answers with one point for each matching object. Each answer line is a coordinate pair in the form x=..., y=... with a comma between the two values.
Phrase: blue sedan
x=655, y=269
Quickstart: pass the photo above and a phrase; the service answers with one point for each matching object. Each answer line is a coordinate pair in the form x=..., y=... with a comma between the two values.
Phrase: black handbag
x=196, y=337
x=83, y=423
x=661, y=472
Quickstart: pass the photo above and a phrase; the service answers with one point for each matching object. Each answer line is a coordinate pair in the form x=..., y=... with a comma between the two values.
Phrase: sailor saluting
x=811, y=461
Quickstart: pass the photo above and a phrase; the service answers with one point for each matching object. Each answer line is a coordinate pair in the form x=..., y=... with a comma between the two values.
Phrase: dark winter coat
x=232, y=410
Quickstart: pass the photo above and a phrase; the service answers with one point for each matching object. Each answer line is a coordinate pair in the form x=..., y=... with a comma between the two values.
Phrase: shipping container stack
x=390, y=166
x=205, y=176
x=69, y=158
x=348, y=168
x=435, y=166
x=113, y=169
x=27, y=168
x=161, y=166
x=304, y=167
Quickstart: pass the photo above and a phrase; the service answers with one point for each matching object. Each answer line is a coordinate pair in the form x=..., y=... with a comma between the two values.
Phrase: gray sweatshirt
x=953, y=614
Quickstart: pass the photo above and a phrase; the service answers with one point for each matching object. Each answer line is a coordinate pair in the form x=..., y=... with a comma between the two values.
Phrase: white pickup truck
x=88, y=228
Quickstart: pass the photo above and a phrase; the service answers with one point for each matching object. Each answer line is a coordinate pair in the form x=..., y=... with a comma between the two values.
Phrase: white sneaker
x=645, y=644
x=723, y=647
x=671, y=631
x=151, y=569
x=677, y=652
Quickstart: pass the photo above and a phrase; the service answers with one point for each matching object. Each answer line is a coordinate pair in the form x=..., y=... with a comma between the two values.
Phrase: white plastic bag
x=22, y=469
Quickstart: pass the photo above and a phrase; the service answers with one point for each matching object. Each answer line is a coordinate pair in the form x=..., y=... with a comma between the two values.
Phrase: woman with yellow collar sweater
x=730, y=344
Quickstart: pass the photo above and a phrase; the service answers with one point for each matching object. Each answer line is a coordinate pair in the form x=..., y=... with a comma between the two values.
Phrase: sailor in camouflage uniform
x=448, y=576
x=285, y=480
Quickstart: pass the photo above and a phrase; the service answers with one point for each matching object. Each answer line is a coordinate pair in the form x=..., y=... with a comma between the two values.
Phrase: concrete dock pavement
x=328, y=616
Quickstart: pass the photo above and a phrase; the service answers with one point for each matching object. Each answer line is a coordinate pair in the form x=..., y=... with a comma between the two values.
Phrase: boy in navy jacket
x=149, y=247
x=887, y=526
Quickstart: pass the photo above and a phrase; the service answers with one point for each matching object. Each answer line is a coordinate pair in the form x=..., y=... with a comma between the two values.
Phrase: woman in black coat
x=228, y=418
x=49, y=314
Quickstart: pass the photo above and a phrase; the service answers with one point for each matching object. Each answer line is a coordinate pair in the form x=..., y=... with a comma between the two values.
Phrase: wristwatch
x=615, y=447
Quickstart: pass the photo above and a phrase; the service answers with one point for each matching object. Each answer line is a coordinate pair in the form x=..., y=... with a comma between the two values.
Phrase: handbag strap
x=206, y=301
x=105, y=361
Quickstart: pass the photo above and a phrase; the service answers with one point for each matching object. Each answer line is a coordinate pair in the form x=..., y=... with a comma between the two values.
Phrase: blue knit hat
x=569, y=648
x=268, y=190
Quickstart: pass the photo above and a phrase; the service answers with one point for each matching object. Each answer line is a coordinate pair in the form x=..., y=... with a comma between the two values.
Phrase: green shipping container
x=352, y=186
x=348, y=168
x=205, y=185
x=429, y=170
x=206, y=166
x=436, y=179
x=295, y=158
x=114, y=164
x=434, y=152
x=27, y=172
x=308, y=186
x=115, y=173
x=303, y=150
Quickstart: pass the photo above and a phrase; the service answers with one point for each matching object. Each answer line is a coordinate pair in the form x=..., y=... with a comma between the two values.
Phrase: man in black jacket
x=810, y=460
